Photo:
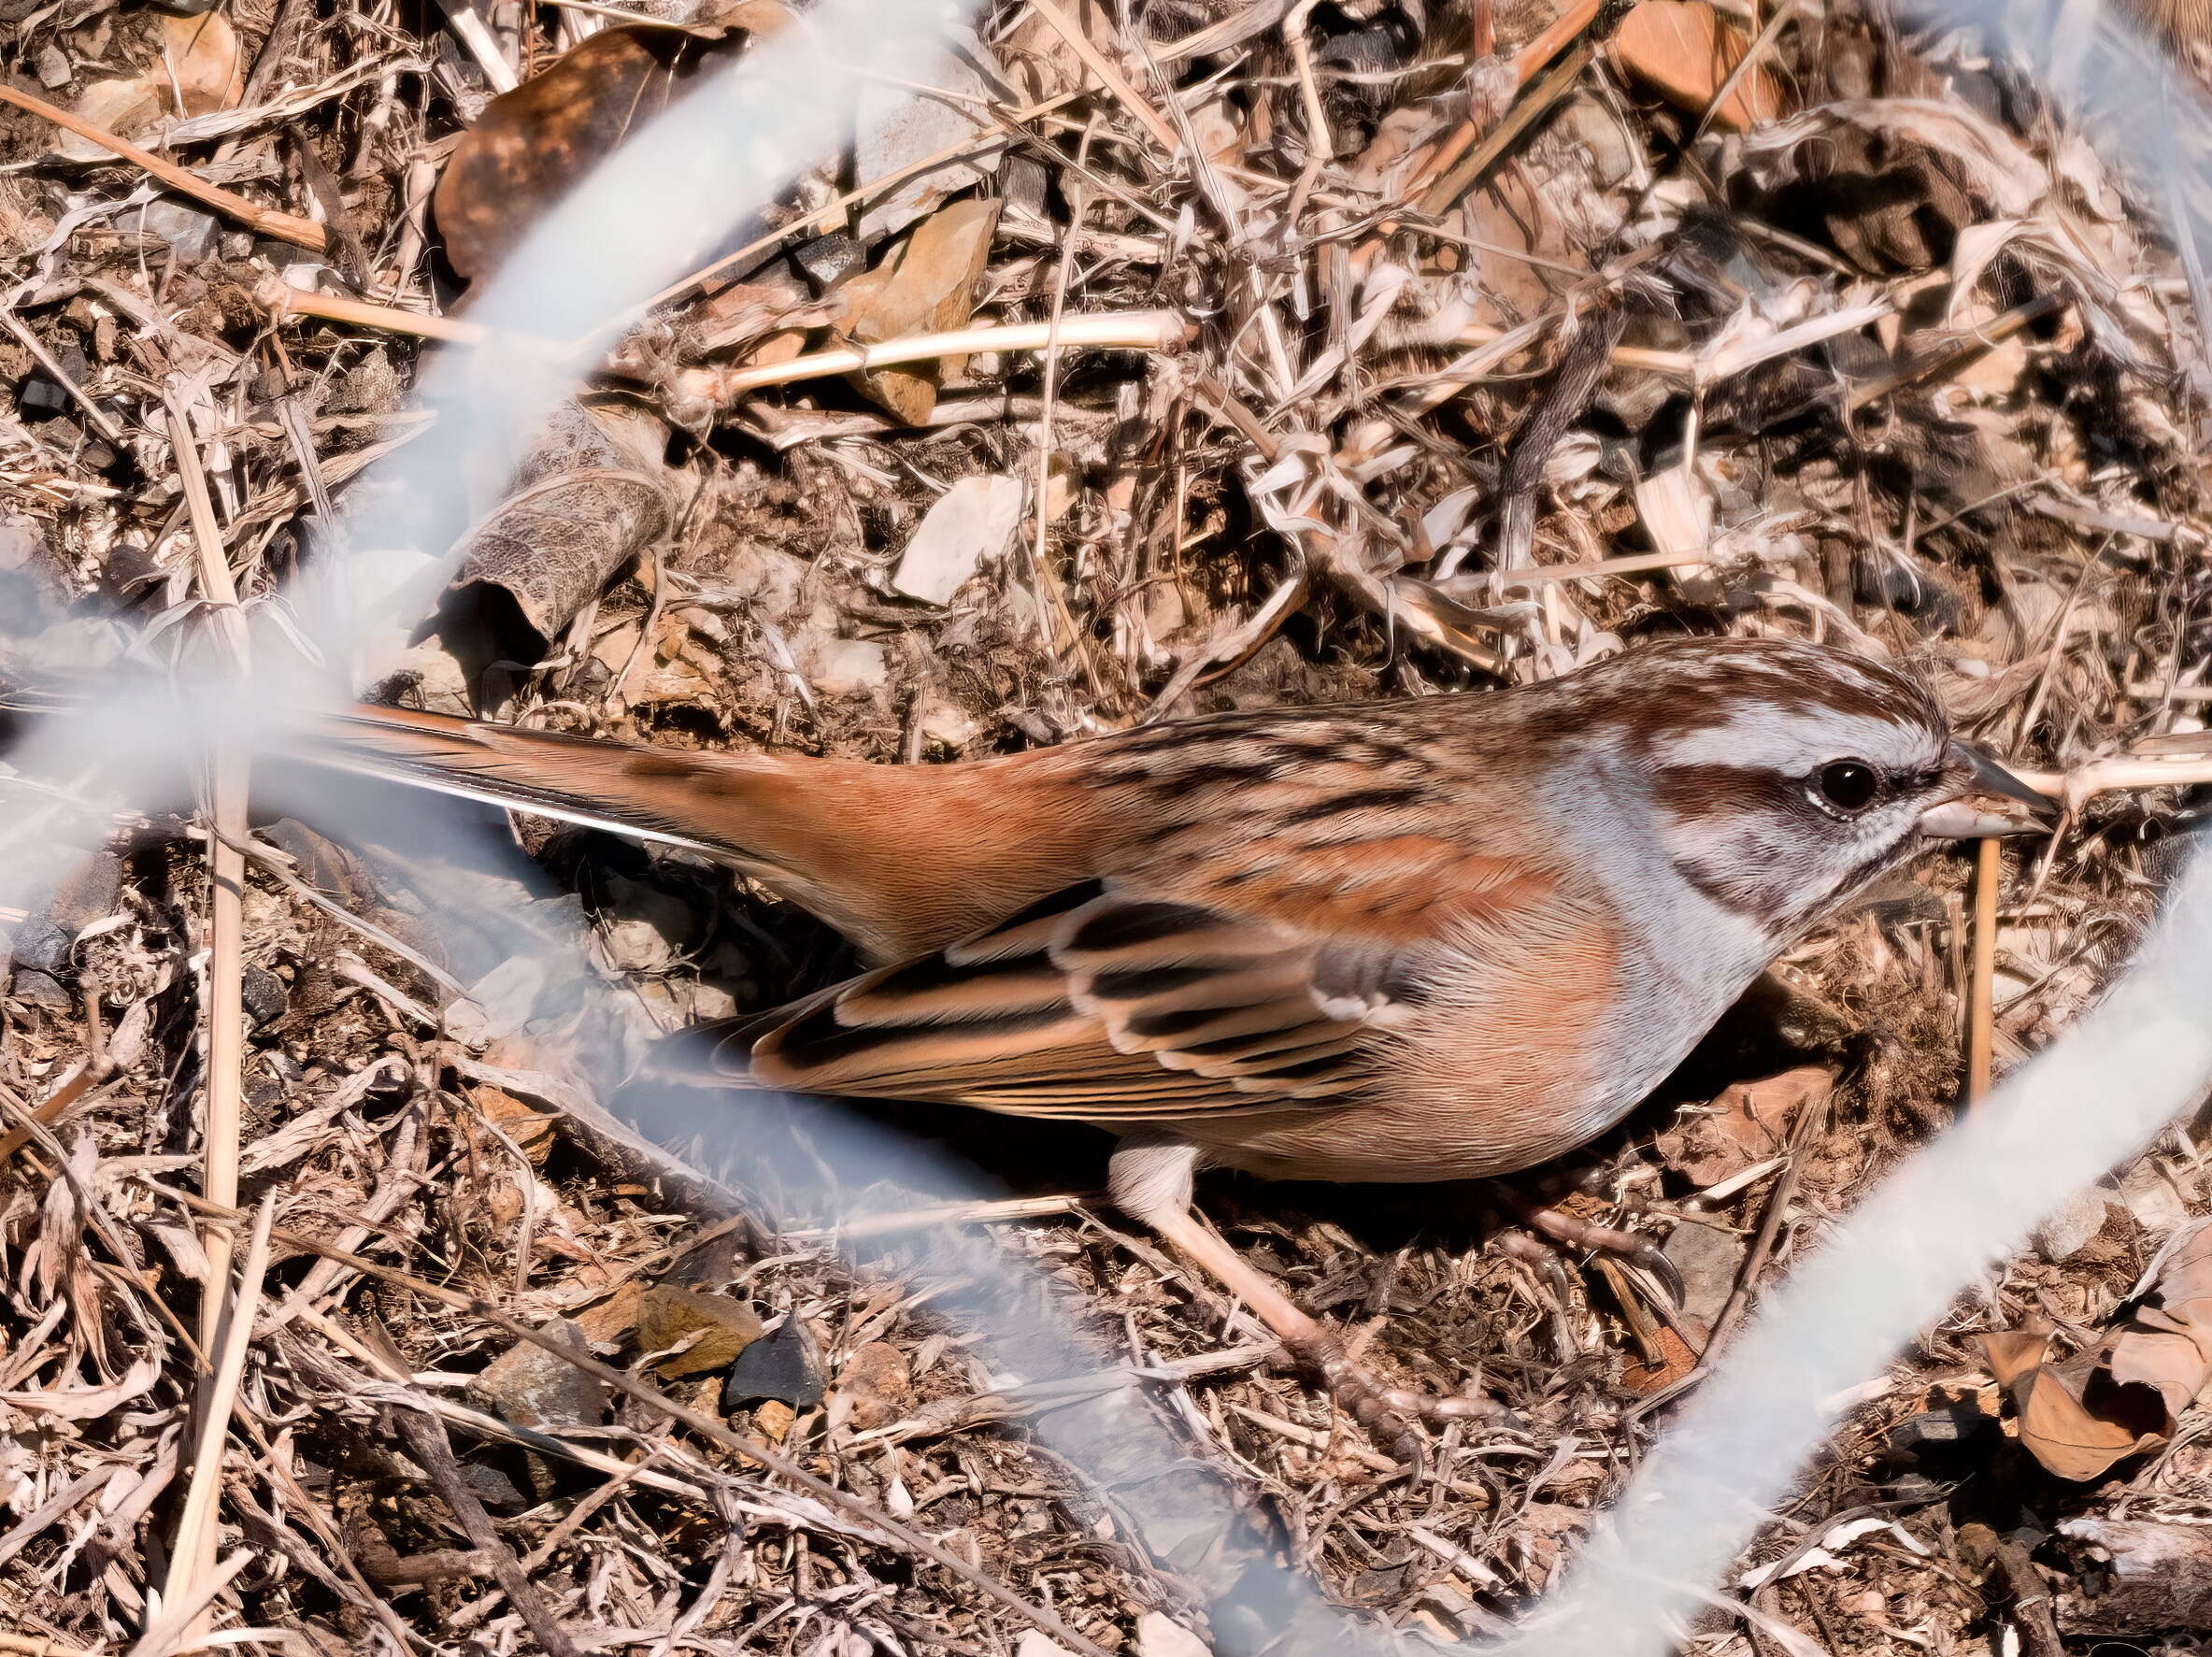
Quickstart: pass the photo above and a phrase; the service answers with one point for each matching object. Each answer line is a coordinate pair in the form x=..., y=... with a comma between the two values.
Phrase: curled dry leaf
x=533, y=143
x=925, y=285
x=1683, y=50
x=2079, y=1416
x=592, y=498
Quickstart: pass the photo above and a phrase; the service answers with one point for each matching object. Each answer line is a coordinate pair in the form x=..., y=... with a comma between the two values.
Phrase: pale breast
x=1511, y=1058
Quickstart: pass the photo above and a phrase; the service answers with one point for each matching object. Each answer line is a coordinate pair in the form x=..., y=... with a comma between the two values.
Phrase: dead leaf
x=1683, y=51
x=925, y=285
x=532, y=144
x=587, y=502
x=200, y=71
x=1746, y=1125
x=2121, y=1397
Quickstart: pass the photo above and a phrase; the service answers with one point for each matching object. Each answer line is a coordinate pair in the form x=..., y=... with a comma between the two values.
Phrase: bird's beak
x=1957, y=820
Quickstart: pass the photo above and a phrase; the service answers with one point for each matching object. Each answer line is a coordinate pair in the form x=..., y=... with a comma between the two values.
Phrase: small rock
x=191, y=234
x=1708, y=1259
x=828, y=260
x=610, y=1322
x=53, y=68
x=875, y=1388
x=1746, y=1125
x=784, y=1365
x=946, y=725
x=1948, y=1442
x=2068, y=1231
x=897, y=129
x=530, y=1387
x=492, y=1488
x=22, y=542
x=40, y=990
x=1036, y=1642
x=40, y=398
x=2151, y=1198
x=1160, y=1635
x=668, y=1314
x=846, y=666
x=47, y=942
x=969, y=523
x=266, y=995
x=769, y=575
x=645, y=927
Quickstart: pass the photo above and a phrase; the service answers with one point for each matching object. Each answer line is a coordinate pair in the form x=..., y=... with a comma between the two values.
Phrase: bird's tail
x=642, y=793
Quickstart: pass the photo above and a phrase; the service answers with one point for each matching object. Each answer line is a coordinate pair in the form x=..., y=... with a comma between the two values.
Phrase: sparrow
x=1414, y=940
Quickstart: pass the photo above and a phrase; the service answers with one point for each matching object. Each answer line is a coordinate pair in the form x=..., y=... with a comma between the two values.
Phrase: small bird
x=1409, y=940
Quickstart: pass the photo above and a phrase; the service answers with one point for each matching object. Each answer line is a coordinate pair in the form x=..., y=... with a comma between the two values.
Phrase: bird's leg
x=1574, y=1232
x=1151, y=1180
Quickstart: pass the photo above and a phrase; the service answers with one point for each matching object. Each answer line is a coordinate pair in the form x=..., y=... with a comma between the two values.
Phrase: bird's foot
x=1393, y=1417
x=1571, y=1231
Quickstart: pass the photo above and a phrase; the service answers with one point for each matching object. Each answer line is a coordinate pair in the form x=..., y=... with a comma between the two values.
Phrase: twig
x=96, y=1069
x=1802, y=1134
x=1558, y=82
x=229, y=765
x=2031, y=1602
x=280, y=300
x=1981, y=1018
x=304, y=232
x=831, y=211
x=1999, y=328
x=192, y=1560
x=1115, y=81
x=1136, y=330
x=899, y=1534
x=1675, y=364
x=427, y=1442
x=472, y=30
x=878, y=1226
x=60, y=376
x=1527, y=62
x=1753, y=55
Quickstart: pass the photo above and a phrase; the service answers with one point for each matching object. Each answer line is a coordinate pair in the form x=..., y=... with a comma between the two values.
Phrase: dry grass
x=1401, y=409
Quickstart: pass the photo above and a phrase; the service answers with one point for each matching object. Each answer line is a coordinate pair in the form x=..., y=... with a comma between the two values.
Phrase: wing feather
x=1111, y=1002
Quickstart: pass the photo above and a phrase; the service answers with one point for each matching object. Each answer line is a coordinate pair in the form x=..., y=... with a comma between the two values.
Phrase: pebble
x=874, y=1387
x=666, y=1314
x=783, y=1365
x=530, y=1387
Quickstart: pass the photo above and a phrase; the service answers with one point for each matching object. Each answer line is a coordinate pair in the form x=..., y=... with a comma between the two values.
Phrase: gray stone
x=1708, y=1259
x=898, y=128
x=190, y=233
x=782, y=1365
x=530, y=1387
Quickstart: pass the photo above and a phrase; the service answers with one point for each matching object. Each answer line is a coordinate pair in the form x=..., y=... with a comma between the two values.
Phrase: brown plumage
x=1407, y=940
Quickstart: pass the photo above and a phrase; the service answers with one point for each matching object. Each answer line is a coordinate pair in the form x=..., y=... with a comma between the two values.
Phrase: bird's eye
x=1849, y=785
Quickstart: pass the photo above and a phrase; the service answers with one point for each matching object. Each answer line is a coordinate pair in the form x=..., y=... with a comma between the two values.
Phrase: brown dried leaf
x=1746, y=1125
x=925, y=285
x=1683, y=51
x=200, y=71
x=533, y=143
x=2122, y=1396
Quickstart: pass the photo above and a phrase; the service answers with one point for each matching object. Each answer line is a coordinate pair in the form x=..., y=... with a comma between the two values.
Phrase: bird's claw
x=1393, y=1417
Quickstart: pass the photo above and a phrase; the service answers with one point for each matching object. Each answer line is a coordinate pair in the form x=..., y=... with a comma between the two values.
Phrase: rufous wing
x=1112, y=1003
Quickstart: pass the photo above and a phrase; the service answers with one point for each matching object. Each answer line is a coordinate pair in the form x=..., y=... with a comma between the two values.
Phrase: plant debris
x=1158, y=358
